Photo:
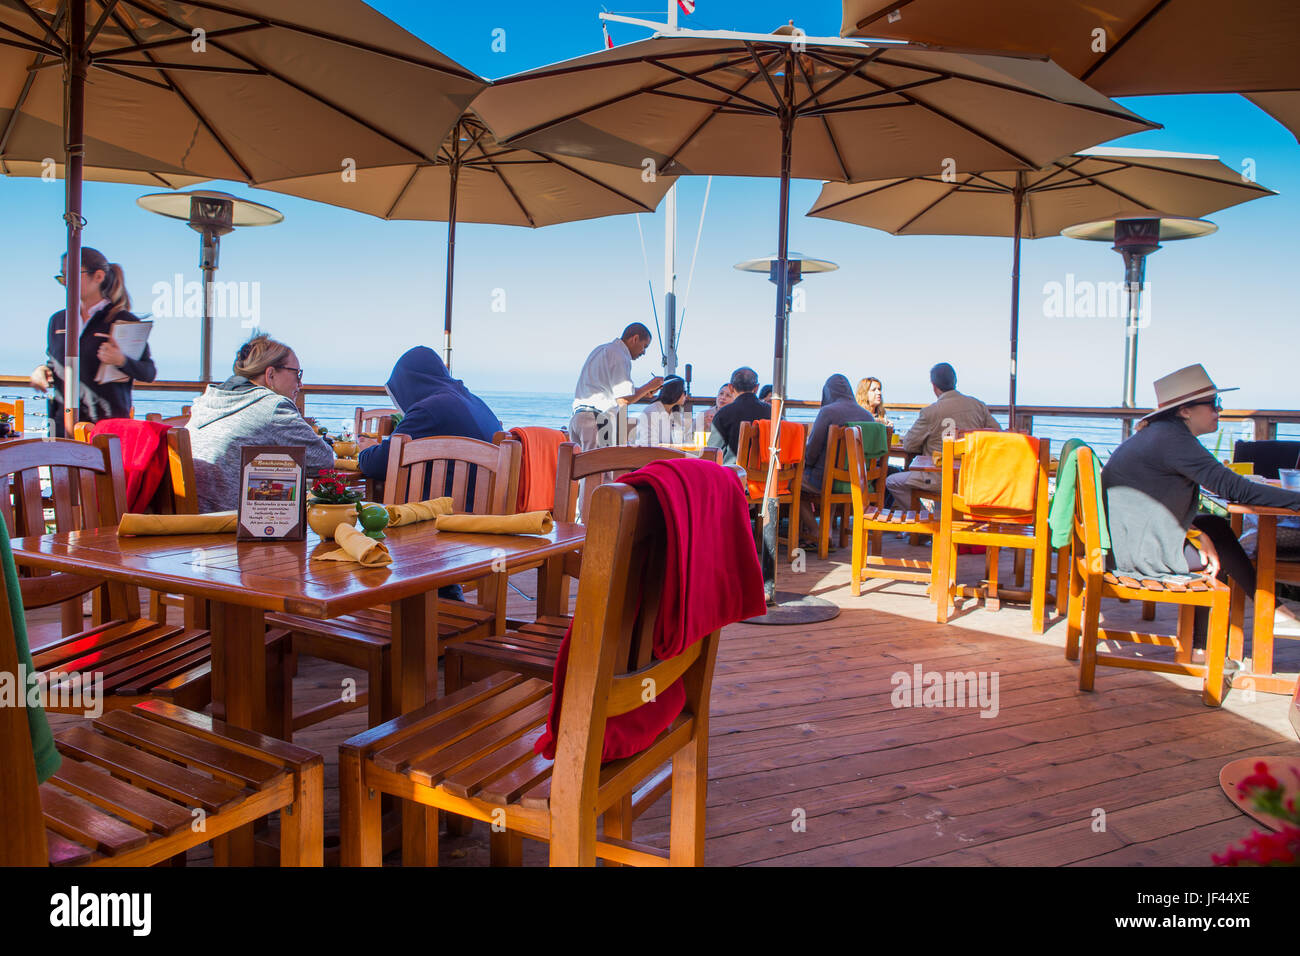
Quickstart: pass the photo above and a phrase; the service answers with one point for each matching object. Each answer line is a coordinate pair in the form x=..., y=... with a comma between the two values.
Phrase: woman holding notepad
x=107, y=373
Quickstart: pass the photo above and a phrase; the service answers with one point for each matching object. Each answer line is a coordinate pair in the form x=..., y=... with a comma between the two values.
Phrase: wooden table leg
x=239, y=653
x=415, y=683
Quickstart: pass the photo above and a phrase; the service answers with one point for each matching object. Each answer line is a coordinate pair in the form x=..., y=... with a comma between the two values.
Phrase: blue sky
x=350, y=292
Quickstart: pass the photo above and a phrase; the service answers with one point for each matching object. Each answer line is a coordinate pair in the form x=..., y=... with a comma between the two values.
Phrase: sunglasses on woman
x=61, y=279
x=1213, y=403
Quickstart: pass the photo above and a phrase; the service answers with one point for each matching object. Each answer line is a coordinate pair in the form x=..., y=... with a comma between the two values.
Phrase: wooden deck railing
x=1265, y=420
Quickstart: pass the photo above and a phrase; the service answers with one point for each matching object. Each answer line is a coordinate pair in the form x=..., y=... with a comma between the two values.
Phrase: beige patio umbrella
x=476, y=179
x=737, y=104
x=1103, y=183
x=244, y=90
x=1120, y=47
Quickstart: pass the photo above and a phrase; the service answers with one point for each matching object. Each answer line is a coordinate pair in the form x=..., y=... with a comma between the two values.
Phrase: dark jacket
x=839, y=407
x=432, y=403
x=744, y=408
x=110, y=400
x=1152, y=484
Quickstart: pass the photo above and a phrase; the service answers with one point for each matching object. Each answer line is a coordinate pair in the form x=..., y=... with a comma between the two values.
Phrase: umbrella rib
x=1128, y=34
x=187, y=38
x=856, y=196
x=826, y=125
x=845, y=73
x=27, y=87
x=34, y=43
x=125, y=27
x=106, y=11
x=731, y=108
x=454, y=70
x=1128, y=163
x=50, y=32
x=492, y=167
x=672, y=157
x=838, y=106
x=29, y=47
x=401, y=194
x=923, y=211
x=762, y=71
x=188, y=67
x=606, y=186
x=131, y=76
x=292, y=85
x=716, y=87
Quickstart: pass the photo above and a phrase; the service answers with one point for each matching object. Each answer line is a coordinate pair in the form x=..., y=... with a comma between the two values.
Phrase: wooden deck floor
x=812, y=764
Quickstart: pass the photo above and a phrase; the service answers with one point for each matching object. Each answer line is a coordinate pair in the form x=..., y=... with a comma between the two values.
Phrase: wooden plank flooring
x=812, y=764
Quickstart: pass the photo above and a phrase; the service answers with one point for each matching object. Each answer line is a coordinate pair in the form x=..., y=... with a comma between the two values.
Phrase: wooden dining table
x=242, y=581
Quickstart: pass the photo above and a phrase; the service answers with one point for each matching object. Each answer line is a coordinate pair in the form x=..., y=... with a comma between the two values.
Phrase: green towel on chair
x=1061, y=518
x=47, y=757
x=875, y=444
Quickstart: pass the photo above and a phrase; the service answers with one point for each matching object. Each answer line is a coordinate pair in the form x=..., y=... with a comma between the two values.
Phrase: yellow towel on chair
x=530, y=522
x=357, y=547
x=220, y=522
x=399, y=515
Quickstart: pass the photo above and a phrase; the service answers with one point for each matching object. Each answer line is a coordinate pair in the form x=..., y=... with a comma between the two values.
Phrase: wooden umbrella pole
x=1018, y=198
x=74, y=156
x=454, y=169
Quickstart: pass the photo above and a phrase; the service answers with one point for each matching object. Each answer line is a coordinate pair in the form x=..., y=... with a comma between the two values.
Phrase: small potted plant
x=331, y=504
x=6, y=425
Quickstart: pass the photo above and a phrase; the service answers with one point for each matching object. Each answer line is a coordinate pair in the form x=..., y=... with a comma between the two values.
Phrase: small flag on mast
x=609, y=41
x=688, y=6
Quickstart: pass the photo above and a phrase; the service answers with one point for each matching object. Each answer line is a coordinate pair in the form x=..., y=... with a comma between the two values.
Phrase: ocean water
x=552, y=410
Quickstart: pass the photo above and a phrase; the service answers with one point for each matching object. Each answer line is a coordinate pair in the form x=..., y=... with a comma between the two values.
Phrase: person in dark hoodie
x=432, y=403
x=253, y=407
x=839, y=407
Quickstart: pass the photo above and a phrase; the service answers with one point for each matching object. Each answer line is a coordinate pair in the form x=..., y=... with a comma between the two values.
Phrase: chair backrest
x=175, y=421
x=964, y=494
x=374, y=423
x=600, y=465
x=15, y=409
x=87, y=484
x=838, y=468
x=753, y=452
x=610, y=658
x=177, y=493
x=1267, y=456
x=22, y=834
x=482, y=478
x=1087, y=520
x=866, y=477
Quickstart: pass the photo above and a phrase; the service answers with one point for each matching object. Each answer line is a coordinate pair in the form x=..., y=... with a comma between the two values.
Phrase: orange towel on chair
x=791, y=451
x=999, y=474
x=537, y=470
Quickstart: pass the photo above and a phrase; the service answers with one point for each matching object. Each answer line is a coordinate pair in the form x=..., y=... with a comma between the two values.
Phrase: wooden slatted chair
x=132, y=785
x=959, y=524
x=471, y=753
x=836, y=497
x=376, y=423
x=1090, y=582
x=871, y=519
x=530, y=647
x=363, y=640
x=138, y=658
x=753, y=454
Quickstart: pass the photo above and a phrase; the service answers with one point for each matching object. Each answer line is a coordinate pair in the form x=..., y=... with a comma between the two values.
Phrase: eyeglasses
x=61, y=279
x=291, y=368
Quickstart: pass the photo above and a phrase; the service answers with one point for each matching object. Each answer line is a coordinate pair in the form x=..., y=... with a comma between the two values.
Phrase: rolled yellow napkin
x=530, y=522
x=399, y=515
x=220, y=522
x=357, y=547
x=346, y=464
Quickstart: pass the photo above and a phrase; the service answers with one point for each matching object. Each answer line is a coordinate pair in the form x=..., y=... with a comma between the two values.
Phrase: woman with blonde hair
x=255, y=406
x=870, y=395
x=104, y=301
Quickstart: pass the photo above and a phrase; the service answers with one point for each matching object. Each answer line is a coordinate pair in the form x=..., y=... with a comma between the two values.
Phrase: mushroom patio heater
x=785, y=607
x=212, y=215
x=1135, y=239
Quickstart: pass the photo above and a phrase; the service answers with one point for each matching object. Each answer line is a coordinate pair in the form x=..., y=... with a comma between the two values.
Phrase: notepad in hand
x=131, y=338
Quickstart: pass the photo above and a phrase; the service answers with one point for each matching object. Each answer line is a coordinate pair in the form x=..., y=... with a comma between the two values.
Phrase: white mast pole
x=670, y=253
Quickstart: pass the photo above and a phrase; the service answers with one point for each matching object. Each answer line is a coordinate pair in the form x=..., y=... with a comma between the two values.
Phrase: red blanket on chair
x=711, y=579
x=144, y=456
x=537, y=470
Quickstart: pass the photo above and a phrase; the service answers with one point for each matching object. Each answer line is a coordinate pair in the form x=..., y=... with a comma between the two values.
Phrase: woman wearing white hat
x=1152, y=485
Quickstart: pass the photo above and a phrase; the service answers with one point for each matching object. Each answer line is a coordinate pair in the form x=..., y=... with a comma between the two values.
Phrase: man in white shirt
x=605, y=384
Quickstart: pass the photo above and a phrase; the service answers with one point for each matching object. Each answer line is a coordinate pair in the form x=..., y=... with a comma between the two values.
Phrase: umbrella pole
x=74, y=155
x=1019, y=197
x=451, y=244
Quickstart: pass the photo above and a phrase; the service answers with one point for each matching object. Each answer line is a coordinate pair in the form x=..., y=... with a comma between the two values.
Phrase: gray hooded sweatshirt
x=236, y=413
